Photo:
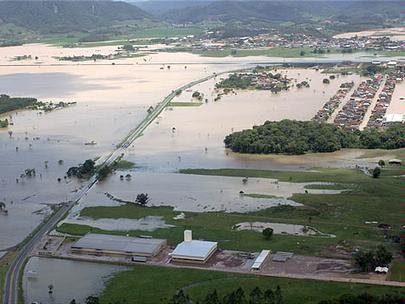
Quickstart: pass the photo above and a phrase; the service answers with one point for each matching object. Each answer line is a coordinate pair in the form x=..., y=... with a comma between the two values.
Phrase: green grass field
x=269, y=52
x=398, y=270
x=4, y=263
x=139, y=285
x=140, y=36
x=343, y=215
x=184, y=104
x=124, y=165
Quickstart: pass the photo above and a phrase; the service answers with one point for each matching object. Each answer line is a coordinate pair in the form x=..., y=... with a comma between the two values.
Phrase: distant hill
x=161, y=7
x=66, y=16
x=288, y=11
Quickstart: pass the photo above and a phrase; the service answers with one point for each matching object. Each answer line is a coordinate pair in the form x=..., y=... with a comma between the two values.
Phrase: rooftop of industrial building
x=119, y=243
x=194, y=249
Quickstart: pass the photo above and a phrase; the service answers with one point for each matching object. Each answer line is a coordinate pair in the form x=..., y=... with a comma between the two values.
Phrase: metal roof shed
x=260, y=260
x=121, y=245
x=193, y=250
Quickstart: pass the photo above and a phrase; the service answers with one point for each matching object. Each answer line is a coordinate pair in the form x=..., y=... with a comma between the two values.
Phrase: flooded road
x=70, y=280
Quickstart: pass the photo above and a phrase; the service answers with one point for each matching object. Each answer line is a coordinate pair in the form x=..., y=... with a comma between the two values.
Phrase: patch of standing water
x=280, y=228
x=70, y=280
x=196, y=193
x=147, y=223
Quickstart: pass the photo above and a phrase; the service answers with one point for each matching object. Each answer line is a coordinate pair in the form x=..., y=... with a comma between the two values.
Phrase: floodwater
x=281, y=228
x=195, y=193
x=70, y=280
x=197, y=141
x=395, y=33
x=111, y=100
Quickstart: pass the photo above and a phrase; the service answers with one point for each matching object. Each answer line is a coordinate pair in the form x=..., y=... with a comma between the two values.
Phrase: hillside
x=67, y=16
x=161, y=7
x=357, y=12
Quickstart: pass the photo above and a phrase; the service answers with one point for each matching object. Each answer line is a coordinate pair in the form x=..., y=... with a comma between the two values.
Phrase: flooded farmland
x=113, y=99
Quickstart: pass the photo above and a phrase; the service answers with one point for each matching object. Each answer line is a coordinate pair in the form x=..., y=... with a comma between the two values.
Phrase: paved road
x=12, y=277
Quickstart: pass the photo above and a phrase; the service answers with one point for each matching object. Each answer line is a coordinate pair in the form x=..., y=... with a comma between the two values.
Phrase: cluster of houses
x=299, y=40
x=265, y=81
x=352, y=114
x=333, y=103
x=384, y=99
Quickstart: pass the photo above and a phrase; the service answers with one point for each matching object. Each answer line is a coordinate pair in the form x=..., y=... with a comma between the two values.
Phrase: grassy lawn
x=140, y=36
x=398, y=270
x=184, y=104
x=269, y=52
x=4, y=263
x=139, y=285
x=124, y=165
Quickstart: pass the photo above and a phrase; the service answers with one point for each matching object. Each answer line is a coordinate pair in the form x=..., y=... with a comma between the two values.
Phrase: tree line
x=8, y=103
x=299, y=137
x=269, y=296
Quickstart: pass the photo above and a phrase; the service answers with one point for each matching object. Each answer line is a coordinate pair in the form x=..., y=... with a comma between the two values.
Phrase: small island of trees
x=299, y=137
x=258, y=79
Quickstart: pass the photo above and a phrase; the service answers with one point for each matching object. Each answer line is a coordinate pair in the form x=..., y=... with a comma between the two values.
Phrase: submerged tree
x=142, y=198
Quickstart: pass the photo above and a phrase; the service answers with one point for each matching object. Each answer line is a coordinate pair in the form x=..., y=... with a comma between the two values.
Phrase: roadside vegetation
x=139, y=286
x=299, y=137
x=4, y=264
x=184, y=104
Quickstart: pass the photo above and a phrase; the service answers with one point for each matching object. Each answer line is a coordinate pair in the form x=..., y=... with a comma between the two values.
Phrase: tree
x=364, y=260
x=381, y=163
x=211, y=298
x=142, y=198
x=269, y=296
x=278, y=297
x=268, y=233
x=256, y=296
x=92, y=300
x=376, y=172
x=302, y=53
x=382, y=256
x=179, y=298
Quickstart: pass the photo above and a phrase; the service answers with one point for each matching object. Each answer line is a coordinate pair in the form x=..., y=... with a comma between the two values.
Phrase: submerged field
x=139, y=286
x=344, y=214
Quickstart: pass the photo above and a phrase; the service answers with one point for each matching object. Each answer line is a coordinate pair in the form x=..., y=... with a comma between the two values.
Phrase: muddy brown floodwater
x=113, y=99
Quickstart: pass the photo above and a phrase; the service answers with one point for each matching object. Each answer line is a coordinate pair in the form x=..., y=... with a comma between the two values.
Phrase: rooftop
x=194, y=249
x=119, y=243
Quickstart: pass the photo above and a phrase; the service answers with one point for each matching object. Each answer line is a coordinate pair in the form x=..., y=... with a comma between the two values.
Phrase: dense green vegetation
x=243, y=81
x=67, y=16
x=139, y=286
x=275, y=296
x=4, y=123
x=8, y=103
x=299, y=137
x=367, y=261
x=238, y=18
x=84, y=170
x=184, y=104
